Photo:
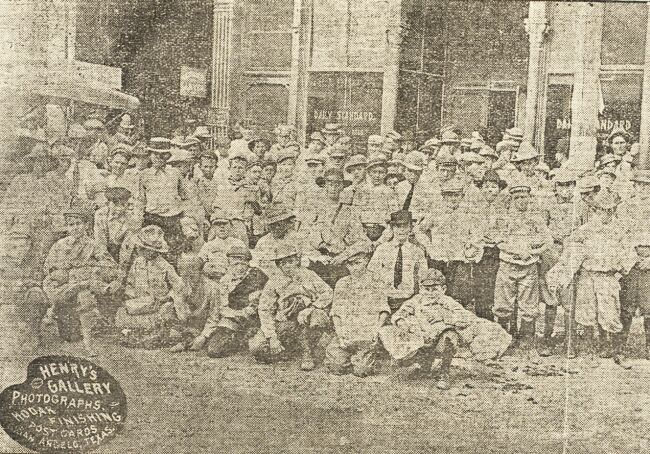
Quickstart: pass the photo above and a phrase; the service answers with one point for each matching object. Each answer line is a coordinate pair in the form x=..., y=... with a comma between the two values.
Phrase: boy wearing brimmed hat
x=280, y=223
x=359, y=309
x=283, y=187
x=522, y=237
x=453, y=240
x=293, y=310
x=163, y=191
x=399, y=262
x=562, y=218
x=233, y=314
x=374, y=201
x=155, y=295
x=595, y=256
x=332, y=229
x=633, y=213
x=79, y=275
x=433, y=325
x=486, y=209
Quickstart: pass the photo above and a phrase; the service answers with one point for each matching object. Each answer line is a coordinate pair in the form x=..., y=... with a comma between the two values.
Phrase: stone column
x=295, y=62
x=585, y=99
x=536, y=26
x=393, y=21
x=221, y=56
x=644, y=133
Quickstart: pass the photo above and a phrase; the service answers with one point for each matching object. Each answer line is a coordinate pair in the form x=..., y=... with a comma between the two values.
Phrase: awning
x=93, y=93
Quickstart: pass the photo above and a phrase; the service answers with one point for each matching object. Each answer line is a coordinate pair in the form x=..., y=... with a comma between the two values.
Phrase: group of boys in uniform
x=277, y=248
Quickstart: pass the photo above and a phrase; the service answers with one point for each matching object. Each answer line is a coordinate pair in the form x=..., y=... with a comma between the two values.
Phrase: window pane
x=624, y=30
x=622, y=101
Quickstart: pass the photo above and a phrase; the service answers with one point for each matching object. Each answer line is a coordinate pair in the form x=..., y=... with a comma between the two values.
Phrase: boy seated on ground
x=234, y=313
x=292, y=309
x=359, y=309
x=433, y=325
x=155, y=294
x=80, y=277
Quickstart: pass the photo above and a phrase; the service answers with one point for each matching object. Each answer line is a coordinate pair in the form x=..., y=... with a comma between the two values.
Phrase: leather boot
x=444, y=381
x=626, y=321
x=549, y=322
x=504, y=322
x=527, y=335
x=604, y=343
x=307, y=362
x=570, y=336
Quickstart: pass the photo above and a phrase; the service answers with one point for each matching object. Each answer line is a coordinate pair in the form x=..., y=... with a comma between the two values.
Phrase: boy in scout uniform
x=332, y=230
x=633, y=214
x=521, y=239
x=562, y=221
x=453, y=240
x=233, y=313
x=359, y=309
x=79, y=275
x=293, y=310
x=597, y=254
x=374, y=201
x=435, y=325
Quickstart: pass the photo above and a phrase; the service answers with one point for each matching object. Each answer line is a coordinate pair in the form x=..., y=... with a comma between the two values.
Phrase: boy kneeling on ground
x=359, y=309
x=433, y=325
x=293, y=307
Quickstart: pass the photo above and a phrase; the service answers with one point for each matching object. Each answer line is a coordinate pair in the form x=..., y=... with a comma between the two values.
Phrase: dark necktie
x=397, y=276
x=409, y=196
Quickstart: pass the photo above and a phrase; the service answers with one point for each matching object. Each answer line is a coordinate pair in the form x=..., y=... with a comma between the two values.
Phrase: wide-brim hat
x=415, y=161
x=606, y=171
x=152, y=237
x=160, y=145
x=446, y=160
x=471, y=157
x=240, y=252
x=430, y=145
x=202, y=132
x=316, y=136
x=274, y=215
x=285, y=154
x=394, y=135
x=179, y=155
x=356, y=160
x=449, y=137
x=525, y=152
x=285, y=250
x=333, y=175
x=376, y=160
x=487, y=150
x=608, y=159
x=401, y=217
x=516, y=134
x=336, y=152
x=588, y=183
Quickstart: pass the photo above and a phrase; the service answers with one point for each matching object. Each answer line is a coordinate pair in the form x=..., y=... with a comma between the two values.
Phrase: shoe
x=443, y=382
x=180, y=347
x=544, y=348
x=307, y=362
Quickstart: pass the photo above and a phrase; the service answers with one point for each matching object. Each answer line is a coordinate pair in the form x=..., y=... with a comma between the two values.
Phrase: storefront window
x=558, y=121
x=349, y=98
x=621, y=95
x=624, y=32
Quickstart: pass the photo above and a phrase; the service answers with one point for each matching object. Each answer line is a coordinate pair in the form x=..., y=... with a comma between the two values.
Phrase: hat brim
x=377, y=164
x=320, y=181
x=142, y=245
x=158, y=151
x=412, y=167
x=277, y=219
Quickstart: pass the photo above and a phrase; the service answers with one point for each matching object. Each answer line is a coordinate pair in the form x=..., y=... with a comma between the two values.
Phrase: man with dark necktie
x=399, y=262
